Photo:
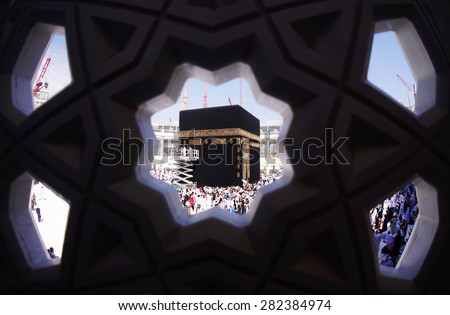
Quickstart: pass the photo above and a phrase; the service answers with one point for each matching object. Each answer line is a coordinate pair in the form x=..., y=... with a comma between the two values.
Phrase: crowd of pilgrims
x=235, y=199
x=392, y=223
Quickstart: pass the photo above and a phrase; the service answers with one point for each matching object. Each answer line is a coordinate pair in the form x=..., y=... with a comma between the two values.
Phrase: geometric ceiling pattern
x=310, y=236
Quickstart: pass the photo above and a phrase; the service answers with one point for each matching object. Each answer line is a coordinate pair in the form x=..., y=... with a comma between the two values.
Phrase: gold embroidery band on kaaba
x=218, y=133
x=218, y=141
x=195, y=141
x=245, y=158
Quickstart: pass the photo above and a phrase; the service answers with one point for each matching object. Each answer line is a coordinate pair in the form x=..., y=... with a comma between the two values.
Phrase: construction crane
x=240, y=93
x=229, y=98
x=39, y=94
x=242, y=98
x=205, y=97
x=411, y=90
x=186, y=95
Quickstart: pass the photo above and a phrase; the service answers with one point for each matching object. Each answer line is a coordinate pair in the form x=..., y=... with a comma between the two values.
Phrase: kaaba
x=228, y=141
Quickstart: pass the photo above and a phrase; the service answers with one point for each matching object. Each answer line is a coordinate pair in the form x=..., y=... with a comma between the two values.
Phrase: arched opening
x=228, y=164
x=403, y=227
x=42, y=69
x=400, y=66
x=39, y=217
